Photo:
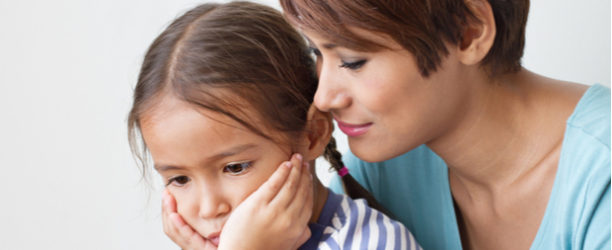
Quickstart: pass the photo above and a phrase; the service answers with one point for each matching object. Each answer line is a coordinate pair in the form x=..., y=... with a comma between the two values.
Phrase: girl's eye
x=178, y=181
x=315, y=51
x=237, y=168
x=353, y=65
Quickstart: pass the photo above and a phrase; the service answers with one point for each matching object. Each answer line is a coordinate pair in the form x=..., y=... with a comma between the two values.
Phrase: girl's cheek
x=184, y=201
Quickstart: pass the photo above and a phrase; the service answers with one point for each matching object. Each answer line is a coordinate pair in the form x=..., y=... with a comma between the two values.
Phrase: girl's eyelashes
x=353, y=65
x=178, y=181
x=237, y=168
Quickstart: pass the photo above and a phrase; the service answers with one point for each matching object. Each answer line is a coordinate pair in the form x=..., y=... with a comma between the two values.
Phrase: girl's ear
x=478, y=34
x=318, y=131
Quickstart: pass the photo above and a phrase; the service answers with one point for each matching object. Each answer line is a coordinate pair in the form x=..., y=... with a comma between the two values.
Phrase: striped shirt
x=345, y=223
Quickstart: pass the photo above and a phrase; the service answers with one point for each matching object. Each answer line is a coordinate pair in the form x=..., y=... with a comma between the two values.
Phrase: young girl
x=223, y=97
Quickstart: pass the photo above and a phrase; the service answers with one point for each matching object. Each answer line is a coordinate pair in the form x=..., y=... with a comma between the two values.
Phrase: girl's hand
x=276, y=215
x=176, y=228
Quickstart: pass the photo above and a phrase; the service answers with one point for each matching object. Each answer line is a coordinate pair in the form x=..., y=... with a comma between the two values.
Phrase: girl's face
x=380, y=100
x=209, y=162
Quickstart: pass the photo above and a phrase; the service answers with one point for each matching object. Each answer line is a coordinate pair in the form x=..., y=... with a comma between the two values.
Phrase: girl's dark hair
x=420, y=26
x=221, y=56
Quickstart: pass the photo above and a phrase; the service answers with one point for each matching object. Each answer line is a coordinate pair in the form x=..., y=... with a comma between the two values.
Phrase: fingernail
x=165, y=200
x=299, y=157
x=307, y=165
x=288, y=164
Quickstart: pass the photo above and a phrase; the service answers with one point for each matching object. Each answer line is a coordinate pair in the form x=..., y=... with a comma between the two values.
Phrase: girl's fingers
x=190, y=239
x=169, y=204
x=176, y=228
x=303, y=238
x=269, y=190
x=288, y=191
x=168, y=207
x=302, y=204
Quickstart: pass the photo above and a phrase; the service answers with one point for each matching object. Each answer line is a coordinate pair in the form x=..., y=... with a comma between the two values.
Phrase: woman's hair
x=419, y=26
x=221, y=56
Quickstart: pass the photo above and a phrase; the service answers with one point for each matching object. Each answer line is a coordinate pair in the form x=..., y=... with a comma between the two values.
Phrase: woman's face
x=209, y=162
x=380, y=100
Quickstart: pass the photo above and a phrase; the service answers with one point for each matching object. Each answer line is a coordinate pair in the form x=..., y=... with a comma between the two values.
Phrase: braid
x=352, y=187
x=332, y=155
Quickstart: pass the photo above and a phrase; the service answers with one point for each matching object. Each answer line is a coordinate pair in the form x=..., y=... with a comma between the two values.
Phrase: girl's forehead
x=181, y=132
x=171, y=112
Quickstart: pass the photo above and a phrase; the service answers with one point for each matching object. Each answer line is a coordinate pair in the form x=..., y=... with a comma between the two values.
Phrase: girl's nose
x=213, y=205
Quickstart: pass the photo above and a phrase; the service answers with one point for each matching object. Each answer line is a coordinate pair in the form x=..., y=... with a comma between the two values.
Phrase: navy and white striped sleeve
x=357, y=226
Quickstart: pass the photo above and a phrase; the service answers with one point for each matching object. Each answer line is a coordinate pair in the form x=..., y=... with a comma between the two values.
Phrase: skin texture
x=219, y=174
x=500, y=136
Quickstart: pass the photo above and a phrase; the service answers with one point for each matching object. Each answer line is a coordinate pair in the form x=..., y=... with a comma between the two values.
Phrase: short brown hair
x=420, y=26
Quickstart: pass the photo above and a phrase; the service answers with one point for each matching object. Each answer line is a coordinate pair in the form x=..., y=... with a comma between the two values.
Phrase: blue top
x=415, y=187
x=345, y=223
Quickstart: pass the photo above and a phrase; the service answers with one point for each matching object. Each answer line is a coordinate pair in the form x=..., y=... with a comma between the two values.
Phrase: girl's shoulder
x=355, y=225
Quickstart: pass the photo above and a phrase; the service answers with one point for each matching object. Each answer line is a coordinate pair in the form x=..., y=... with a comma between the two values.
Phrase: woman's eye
x=237, y=168
x=178, y=181
x=315, y=51
x=353, y=65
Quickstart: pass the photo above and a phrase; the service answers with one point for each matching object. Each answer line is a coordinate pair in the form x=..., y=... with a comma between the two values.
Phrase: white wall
x=67, y=69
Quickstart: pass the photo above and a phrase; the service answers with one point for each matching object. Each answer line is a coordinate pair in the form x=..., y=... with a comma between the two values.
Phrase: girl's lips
x=214, y=241
x=353, y=130
x=214, y=238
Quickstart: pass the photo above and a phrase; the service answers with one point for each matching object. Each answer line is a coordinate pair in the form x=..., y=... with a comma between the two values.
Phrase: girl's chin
x=210, y=245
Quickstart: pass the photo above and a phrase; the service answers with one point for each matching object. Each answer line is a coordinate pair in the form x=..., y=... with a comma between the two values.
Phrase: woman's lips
x=353, y=130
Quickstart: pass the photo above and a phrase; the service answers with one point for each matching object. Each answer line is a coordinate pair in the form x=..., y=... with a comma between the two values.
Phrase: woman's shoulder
x=585, y=154
x=591, y=117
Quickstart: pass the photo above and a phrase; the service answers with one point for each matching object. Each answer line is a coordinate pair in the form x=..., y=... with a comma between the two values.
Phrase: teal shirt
x=415, y=188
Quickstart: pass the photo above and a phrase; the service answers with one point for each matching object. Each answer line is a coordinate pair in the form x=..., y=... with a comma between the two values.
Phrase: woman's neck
x=510, y=125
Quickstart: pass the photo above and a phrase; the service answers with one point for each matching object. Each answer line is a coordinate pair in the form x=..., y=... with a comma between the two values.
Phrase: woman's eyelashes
x=237, y=168
x=353, y=65
x=315, y=51
x=344, y=64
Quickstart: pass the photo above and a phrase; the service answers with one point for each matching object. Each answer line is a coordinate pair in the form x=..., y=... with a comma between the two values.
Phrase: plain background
x=67, y=69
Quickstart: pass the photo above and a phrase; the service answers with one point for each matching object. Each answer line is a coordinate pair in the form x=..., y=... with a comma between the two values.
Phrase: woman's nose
x=330, y=94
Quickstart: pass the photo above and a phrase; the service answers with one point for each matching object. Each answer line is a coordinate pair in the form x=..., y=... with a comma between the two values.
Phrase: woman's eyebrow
x=325, y=45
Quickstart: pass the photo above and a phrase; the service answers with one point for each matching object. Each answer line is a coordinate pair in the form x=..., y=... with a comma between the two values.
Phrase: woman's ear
x=318, y=131
x=478, y=34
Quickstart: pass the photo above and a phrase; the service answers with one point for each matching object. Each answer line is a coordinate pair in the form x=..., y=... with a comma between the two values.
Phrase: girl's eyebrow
x=227, y=153
x=232, y=151
x=163, y=168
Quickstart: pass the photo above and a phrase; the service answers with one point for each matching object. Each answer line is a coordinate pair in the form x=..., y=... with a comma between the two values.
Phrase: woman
x=477, y=152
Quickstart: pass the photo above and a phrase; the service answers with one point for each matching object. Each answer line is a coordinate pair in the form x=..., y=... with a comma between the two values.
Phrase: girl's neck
x=510, y=125
x=320, y=194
